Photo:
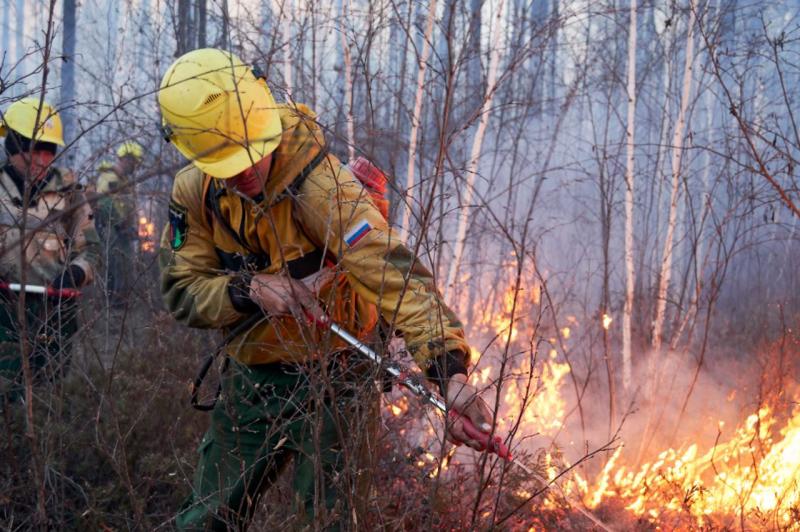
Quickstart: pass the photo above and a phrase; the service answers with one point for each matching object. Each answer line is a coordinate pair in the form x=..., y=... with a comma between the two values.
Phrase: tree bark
x=68, y=70
x=630, y=134
x=422, y=63
x=400, y=56
x=281, y=25
x=677, y=152
x=6, y=30
x=472, y=167
x=19, y=46
x=226, y=22
x=184, y=21
x=348, y=78
x=474, y=85
x=202, y=22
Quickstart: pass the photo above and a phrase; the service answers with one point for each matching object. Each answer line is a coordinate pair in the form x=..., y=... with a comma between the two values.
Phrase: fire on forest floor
x=748, y=478
x=737, y=467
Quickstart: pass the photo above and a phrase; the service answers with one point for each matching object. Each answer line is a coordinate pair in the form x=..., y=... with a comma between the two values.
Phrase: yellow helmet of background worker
x=218, y=113
x=130, y=147
x=21, y=117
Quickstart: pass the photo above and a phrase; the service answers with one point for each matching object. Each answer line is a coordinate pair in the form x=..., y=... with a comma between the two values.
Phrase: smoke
x=656, y=415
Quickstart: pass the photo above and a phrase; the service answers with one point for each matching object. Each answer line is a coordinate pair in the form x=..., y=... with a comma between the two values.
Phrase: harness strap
x=213, y=193
x=294, y=186
x=248, y=323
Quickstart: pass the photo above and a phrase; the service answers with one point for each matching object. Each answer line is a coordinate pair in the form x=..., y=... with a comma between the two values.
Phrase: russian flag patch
x=354, y=235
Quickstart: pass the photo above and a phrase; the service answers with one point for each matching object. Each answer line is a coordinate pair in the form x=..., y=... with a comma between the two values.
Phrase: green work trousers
x=267, y=417
x=50, y=323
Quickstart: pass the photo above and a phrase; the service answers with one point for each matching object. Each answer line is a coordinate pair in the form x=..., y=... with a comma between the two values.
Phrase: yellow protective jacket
x=300, y=221
x=59, y=229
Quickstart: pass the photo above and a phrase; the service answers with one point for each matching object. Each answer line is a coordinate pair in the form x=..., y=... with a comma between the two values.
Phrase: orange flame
x=751, y=476
x=748, y=475
x=147, y=231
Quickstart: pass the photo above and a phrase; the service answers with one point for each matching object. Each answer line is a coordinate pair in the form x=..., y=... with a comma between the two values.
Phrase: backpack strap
x=298, y=268
x=292, y=191
x=314, y=261
x=294, y=187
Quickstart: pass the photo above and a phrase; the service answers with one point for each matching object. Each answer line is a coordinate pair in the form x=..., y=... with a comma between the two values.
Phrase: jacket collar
x=18, y=179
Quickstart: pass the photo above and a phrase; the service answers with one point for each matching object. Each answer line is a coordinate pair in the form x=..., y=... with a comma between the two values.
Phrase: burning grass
x=729, y=458
x=748, y=479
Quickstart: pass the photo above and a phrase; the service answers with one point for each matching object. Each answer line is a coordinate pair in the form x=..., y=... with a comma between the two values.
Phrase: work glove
x=281, y=295
x=72, y=277
x=465, y=399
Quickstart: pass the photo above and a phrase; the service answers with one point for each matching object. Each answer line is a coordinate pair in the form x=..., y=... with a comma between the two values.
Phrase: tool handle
x=49, y=291
x=66, y=293
x=490, y=444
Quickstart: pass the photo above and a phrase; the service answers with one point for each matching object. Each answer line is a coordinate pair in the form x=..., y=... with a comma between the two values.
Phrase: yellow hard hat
x=218, y=113
x=130, y=147
x=21, y=117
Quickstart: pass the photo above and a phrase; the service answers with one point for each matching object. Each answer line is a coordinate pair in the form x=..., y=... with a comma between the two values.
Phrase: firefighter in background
x=104, y=166
x=253, y=221
x=91, y=187
x=116, y=219
x=45, y=208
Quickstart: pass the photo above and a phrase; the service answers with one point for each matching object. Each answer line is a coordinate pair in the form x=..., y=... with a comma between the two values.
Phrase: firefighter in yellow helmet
x=44, y=206
x=265, y=225
x=117, y=220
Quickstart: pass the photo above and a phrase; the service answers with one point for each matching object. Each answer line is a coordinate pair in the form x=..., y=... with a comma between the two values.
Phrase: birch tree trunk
x=19, y=46
x=400, y=60
x=281, y=8
x=472, y=167
x=348, y=79
x=184, y=26
x=68, y=69
x=629, y=180
x=443, y=46
x=415, y=122
x=701, y=255
x=677, y=152
x=6, y=29
x=226, y=19
x=474, y=57
x=202, y=21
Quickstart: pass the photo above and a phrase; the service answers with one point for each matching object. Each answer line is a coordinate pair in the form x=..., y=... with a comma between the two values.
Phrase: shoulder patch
x=178, y=225
x=357, y=233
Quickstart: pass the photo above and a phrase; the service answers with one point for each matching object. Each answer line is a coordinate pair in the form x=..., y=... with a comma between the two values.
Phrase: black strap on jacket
x=294, y=187
x=243, y=326
x=298, y=268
